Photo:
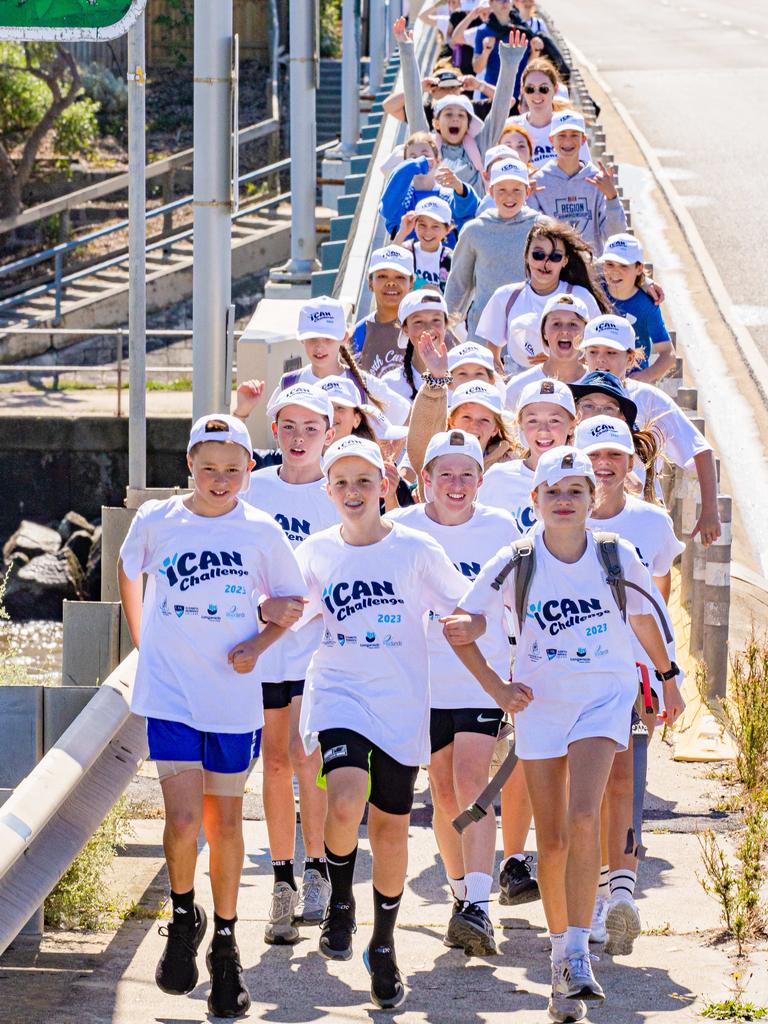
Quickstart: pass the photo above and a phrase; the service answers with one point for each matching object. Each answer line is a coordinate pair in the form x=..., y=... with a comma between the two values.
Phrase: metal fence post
x=378, y=45
x=119, y=354
x=696, y=641
x=350, y=81
x=58, y=266
x=717, y=603
x=137, y=252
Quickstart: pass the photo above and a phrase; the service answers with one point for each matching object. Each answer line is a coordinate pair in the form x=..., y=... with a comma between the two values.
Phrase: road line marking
x=726, y=23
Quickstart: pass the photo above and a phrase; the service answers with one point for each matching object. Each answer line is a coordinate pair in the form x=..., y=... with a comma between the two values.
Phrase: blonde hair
x=424, y=137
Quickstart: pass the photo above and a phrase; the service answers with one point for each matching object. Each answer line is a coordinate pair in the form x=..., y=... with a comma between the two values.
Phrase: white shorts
x=547, y=728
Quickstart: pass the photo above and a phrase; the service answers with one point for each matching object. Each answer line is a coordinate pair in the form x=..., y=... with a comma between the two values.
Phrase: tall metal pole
x=303, y=64
x=212, y=220
x=137, y=256
x=377, y=35
x=350, y=80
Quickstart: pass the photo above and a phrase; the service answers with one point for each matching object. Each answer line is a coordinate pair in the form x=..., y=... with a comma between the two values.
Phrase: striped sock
x=604, y=886
x=623, y=883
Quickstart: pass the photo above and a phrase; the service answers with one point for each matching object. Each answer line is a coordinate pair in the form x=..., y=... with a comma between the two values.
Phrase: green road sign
x=67, y=20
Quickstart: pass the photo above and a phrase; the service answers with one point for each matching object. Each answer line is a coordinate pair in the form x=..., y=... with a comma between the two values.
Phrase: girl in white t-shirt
x=557, y=261
x=464, y=720
x=608, y=443
x=539, y=84
x=366, y=704
x=420, y=312
x=208, y=556
x=574, y=686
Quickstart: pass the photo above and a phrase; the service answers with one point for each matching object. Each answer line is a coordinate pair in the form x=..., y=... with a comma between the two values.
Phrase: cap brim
x=306, y=335
x=615, y=346
x=511, y=177
x=273, y=410
x=353, y=455
x=626, y=405
x=474, y=400
x=616, y=259
x=391, y=266
x=608, y=446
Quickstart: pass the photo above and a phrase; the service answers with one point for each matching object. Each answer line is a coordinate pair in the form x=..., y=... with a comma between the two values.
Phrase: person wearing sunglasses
x=556, y=260
x=539, y=84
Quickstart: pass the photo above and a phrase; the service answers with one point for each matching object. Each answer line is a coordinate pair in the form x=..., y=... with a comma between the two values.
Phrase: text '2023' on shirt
x=371, y=670
x=205, y=573
x=301, y=510
x=469, y=546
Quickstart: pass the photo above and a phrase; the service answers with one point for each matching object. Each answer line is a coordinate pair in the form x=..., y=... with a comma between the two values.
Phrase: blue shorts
x=177, y=748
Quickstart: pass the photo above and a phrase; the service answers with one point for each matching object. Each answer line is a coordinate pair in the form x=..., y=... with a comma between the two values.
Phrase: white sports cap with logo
x=381, y=426
x=509, y=170
x=604, y=433
x=391, y=257
x=567, y=121
x=416, y=302
x=564, y=302
x=624, y=249
x=435, y=208
x=559, y=463
x=610, y=331
x=553, y=392
x=475, y=124
x=323, y=317
x=454, y=442
x=357, y=446
x=477, y=391
x=495, y=152
x=209, y=428
x=470, y=354
x=341, y=391
x=308, y=396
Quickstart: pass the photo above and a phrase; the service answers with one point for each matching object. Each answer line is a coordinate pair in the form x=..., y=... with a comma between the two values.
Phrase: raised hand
x=248, y=394
x=604, y=180
x=401, y=33
x=517, y=39
x=444, y=176
x=434, y=354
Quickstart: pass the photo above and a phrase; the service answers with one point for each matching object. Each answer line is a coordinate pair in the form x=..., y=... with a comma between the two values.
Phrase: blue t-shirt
x=645, y=316
x=493, y=67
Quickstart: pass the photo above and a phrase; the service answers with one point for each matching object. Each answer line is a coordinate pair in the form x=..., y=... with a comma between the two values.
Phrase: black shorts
x=280, y=695
x=444, y=723
x=390, y=784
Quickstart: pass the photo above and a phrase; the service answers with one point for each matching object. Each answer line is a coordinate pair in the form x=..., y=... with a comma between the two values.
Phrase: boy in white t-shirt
x=431, y=219
x=366, y=703
x=208, y=556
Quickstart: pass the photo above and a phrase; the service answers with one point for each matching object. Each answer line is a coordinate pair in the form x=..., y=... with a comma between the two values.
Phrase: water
x=30, y=652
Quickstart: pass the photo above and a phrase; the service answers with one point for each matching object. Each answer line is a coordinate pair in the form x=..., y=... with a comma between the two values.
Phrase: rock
x=71, y=523
x=80, y=543
x=39, y=588
x=92, y=584
x=33, y=539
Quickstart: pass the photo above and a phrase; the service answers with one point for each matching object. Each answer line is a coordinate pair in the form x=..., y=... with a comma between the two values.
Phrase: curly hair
x=578, y=270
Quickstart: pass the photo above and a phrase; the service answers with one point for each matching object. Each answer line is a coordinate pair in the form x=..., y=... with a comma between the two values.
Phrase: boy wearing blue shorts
x=209, y=557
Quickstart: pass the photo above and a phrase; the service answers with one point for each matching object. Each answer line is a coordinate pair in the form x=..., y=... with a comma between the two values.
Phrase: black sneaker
x=470, y=929
x=447, y=938
x=229, y=995
x=517, y=884
x=176, y=972
x=337, y=930
x=387, y=989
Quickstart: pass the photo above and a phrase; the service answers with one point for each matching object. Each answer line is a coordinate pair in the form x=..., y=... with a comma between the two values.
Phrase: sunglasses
x=531, y=90
x=541, y=257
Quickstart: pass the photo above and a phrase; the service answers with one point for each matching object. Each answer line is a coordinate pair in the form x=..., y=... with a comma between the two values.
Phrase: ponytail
x=408, y=368
x=346, y=357
x=649, y=445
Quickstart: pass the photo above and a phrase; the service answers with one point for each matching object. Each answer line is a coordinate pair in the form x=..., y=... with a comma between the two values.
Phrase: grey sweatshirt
x=489, y=253
x=455, y=157
x=576, y=202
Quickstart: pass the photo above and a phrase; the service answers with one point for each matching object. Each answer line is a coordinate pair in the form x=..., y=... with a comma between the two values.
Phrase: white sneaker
x=281, y=931
x=314, y=899
x=622, y=923
x=563, y=1008
x=598, y=932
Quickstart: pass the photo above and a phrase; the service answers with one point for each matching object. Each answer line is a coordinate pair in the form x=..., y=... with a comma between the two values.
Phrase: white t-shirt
x=395, y=409
x=395, y=381
x=469, y=546
x=206, y=573
x=301, y=510
x=516, y=384
x=519, y=331
x=507, y=486
x=371, y=670
x=543, y=149
x=655, y=408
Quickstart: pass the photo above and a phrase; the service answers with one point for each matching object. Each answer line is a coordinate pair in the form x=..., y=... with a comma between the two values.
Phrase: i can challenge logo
x=558, y=615
x=344, y=599
x=189, y=569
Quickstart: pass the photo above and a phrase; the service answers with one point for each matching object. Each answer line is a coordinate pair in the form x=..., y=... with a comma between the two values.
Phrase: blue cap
x=606, y=384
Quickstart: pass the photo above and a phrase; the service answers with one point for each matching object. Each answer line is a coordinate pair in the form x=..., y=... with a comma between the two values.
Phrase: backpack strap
x=568, y=288
x=513, y=297
x=289, y=379
x=608, y=553
x=523, y=560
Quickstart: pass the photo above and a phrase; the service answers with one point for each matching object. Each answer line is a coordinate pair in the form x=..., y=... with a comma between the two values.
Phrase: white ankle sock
x=478, y=887
x=557, y=941
x=623, y=883
x=576, y=940
x=604, y=886
x=458, y=887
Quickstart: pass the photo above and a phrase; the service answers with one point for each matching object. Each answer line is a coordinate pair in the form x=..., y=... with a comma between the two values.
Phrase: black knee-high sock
x=341, y=871
x=385, y=911
x=223, y=931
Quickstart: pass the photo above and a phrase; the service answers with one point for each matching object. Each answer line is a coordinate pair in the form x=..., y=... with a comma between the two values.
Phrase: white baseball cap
x=323, y=317
x=416, y=302
x=454, y=442
x=509, y=170
x=475, y=124
x=567, y=121
x=222, y=427
x=558, y=463
x=470, y=353
x=391, y=257
x=434, y=207
x=495, y=152
x=611, y=331
x=358, y=446
x=479, y=392
x=383, y=429
x=604, y=432
x=554, y=392
x=340, y=390
x=564, y=302
x=624, y=249
x=308, y=396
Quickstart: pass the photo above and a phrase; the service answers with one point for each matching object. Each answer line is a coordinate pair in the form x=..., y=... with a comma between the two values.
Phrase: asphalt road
x=694, y=76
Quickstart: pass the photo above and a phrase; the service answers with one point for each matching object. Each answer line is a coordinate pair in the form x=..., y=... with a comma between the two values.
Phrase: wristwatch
x=260, y=617
x=673, y=671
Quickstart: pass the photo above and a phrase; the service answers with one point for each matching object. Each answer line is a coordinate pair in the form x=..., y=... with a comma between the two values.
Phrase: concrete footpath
x=679, y=963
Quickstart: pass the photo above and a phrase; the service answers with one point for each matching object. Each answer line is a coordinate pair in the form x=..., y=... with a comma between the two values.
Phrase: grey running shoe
x=580, y=982
x=281, y=931
x=314, y=899
x=622, y=922
x=471, y=929
x=598, y=932
x=563, y=1008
